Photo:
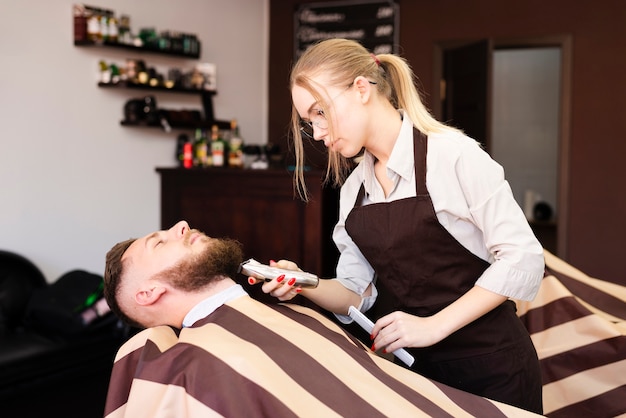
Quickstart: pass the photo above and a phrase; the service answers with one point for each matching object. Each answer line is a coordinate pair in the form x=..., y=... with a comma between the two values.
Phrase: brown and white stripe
x=578, y=325
x=248, y=359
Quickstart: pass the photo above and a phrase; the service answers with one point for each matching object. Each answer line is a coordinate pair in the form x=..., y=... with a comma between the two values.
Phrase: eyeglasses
x=318, y=118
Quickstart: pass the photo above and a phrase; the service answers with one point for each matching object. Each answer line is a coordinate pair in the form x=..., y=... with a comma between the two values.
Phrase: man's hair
x=113, y=272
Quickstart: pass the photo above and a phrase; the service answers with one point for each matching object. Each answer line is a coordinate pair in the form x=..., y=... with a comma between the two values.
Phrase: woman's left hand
x=399, y=329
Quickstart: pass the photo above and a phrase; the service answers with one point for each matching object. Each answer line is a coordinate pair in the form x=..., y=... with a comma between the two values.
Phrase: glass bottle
x=187, y=155
x=218, y=147
x=235, y=146
x=200, y=159
x=113, y=30
x=93, y=27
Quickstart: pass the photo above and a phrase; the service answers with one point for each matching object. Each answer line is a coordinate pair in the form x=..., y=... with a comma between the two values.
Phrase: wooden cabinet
x=259, y=209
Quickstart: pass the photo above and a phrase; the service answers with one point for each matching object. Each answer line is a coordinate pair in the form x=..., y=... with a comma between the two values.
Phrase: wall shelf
x=178, y=46
x=139, y=86
x=138, y=49
x=203, y=124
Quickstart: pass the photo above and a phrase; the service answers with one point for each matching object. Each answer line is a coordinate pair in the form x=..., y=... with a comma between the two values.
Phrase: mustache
x=190, y=233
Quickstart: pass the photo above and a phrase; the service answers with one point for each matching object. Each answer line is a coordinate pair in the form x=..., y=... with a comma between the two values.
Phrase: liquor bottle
x=104, y=27
x=113, y=29
x=201, y=149
x=123, y=27
x=81, y=14
x=93, y=27
x=218, y=147
x=188, y=155
x=181, y=141
x=235, y=146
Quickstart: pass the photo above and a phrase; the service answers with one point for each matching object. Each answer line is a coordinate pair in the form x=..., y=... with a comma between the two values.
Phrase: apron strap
x=420, y=148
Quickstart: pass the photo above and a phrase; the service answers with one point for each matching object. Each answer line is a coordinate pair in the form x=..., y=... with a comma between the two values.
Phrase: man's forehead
x=132, y=250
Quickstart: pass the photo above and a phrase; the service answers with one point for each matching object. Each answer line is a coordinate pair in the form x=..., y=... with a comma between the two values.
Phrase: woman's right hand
x=281, y=287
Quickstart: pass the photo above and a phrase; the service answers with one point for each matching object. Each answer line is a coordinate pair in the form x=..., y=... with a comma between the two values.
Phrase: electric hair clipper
x=253, y=268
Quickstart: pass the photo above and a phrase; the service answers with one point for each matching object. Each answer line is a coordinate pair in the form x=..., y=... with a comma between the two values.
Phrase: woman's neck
x=385, y=128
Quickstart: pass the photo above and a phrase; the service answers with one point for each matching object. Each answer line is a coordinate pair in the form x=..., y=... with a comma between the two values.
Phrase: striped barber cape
x=248, y=359
x=578, y=326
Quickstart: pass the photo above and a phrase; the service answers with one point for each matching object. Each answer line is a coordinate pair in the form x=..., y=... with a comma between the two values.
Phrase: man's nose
x=180, y=229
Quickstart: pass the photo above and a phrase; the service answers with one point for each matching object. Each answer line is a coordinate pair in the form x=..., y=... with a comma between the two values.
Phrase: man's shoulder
x=163, y=337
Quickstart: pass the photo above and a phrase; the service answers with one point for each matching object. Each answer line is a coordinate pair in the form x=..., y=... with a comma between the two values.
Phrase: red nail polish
x=384, y=351
x=272, y=262
x=372, y=337
x=280, y=278
x=251, y=280
x=298, y=290
x=373, y=347
x=291, y=281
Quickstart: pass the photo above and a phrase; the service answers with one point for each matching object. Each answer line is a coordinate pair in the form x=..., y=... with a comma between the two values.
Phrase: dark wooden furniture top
x=260, y=209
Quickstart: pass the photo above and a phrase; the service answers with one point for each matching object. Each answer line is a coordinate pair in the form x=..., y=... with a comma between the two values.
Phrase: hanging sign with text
x=374, y=24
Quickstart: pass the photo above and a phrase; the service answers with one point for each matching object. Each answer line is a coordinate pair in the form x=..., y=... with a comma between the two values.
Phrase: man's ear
x=149, y=296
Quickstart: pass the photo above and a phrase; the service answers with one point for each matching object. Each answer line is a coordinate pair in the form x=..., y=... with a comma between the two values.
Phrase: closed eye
x=154, y=241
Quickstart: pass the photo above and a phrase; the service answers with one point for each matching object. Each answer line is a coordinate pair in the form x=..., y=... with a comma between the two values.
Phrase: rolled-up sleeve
x=515, y=254
x=518, y=263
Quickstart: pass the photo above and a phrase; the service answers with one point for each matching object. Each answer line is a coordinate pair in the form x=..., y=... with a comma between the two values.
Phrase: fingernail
x=272, y=261
x=280, y=278
x=384, y=351
x=251, y=280
x=291, y=281
x=298, y=290
x=373, y=347
x=372, y=336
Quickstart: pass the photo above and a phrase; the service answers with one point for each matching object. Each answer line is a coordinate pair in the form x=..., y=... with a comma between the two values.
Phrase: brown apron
x=421, y=269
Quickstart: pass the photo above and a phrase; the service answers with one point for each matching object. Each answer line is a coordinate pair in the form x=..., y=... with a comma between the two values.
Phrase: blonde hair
x=341, y=61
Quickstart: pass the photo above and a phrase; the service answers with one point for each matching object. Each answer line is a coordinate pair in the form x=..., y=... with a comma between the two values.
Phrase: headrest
x=18, y=278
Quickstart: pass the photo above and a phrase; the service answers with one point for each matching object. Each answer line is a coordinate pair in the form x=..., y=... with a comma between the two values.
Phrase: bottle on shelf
x=93, y=27
x=235, y=146
x=181, y=141
x=81, y=15
x=201, y=149
x=124, y=34
x=104, y=27
x=188, y=154
x=218, y=147
x=113, y=30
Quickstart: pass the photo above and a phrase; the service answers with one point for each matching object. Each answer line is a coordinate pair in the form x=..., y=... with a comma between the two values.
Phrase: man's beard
x=220, y=259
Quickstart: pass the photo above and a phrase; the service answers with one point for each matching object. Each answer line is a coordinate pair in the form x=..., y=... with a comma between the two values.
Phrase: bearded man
x=211, y=350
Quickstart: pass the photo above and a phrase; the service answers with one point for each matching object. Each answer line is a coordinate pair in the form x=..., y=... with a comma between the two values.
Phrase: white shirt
x=208, y=305
x=472, y=201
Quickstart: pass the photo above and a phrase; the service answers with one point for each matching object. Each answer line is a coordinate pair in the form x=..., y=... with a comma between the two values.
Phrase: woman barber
x=432, y=242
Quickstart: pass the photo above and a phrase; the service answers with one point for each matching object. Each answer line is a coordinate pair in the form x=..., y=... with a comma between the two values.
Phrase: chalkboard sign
x=374, y=24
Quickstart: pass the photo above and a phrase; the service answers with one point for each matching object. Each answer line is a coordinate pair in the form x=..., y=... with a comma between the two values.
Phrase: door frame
x=564, y=42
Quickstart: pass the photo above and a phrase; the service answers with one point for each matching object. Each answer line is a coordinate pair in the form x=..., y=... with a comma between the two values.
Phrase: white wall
x=73, y=181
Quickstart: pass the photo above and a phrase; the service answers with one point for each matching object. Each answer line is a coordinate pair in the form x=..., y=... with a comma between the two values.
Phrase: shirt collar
x=210, y=304
x=401, y=159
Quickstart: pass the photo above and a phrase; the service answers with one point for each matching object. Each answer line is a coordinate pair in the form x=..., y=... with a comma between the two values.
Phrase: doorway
x=513, y=97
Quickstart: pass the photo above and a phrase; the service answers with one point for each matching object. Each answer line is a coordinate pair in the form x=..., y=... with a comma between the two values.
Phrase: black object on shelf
x=170, y=115
x=149, y=49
